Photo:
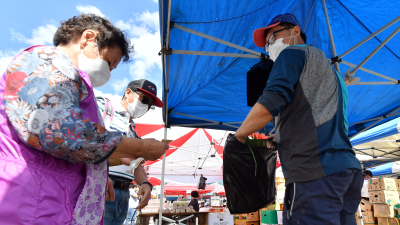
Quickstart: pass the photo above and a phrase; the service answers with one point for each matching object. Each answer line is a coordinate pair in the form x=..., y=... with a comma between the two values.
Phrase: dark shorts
x=331, y=200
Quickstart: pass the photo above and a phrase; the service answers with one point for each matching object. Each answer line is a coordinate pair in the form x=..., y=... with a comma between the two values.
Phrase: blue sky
x=26, y=23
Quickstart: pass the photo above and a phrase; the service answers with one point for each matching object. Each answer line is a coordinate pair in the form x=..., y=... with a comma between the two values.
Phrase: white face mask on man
x=97, y=69
x=136, y=109
x=277, y=47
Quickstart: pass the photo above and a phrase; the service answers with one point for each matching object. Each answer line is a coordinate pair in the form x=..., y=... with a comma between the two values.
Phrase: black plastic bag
x=249, y=186
x=257, y=78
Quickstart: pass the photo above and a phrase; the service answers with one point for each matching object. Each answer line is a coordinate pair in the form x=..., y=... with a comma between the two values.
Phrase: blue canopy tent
x=391, y=169
x=207, y=49
x=379, y=145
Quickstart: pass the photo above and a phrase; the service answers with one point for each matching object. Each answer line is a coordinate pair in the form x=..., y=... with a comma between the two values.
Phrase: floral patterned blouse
x=42, y=95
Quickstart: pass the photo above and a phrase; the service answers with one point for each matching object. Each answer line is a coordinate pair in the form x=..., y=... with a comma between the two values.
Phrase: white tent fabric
x=193, y=152
x=379, y=144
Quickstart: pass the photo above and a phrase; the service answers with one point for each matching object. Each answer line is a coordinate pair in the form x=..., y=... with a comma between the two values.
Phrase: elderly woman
x=53, y=146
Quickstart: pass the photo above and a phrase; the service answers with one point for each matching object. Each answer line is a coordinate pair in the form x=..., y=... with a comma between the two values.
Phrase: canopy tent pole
x=330, y=35
x=376, y=118
x=237, y=55
x=394, y=81
x=166, y=85
x=375, y=50
x=213, y=122
x=261, y=55
x=370, y=36
x=374, y=83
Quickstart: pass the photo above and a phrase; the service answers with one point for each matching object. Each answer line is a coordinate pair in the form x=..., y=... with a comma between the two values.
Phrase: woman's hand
x=145, y=191
x=110, y=194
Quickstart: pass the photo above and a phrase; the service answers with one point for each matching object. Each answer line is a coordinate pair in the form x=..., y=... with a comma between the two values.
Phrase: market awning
x=379, y=145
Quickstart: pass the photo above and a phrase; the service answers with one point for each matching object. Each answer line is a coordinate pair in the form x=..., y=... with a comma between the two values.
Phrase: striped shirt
x=121, y=122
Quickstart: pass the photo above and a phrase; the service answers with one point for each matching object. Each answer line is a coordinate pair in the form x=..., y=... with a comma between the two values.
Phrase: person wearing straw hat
x=140, y=96
x=308, y=99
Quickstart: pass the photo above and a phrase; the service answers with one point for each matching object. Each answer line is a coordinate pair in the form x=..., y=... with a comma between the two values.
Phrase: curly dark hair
x=108, y=35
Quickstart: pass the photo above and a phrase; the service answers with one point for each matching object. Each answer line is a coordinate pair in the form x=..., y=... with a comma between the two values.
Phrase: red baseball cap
x=259, y=34
x=148, y=87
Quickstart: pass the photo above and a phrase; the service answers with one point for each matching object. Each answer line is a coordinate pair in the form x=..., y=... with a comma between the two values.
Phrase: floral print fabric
x=42, y=95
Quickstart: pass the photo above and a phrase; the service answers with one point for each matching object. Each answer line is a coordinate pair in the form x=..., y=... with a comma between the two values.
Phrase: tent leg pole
x=360, y=215
x=330, y=35
x=162, y=181
x=166, y=111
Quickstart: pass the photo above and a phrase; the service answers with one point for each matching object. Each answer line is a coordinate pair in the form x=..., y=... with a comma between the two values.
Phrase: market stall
x=379, y=145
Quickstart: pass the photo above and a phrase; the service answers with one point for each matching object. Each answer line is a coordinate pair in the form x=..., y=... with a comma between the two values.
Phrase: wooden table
x=173, y=218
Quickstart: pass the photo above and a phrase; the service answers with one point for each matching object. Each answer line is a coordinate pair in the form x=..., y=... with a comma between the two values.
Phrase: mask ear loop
x=98, y=53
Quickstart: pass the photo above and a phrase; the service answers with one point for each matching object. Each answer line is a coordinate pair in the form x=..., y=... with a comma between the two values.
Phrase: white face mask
x=137, y=108
x=275, y=49
x=97, y=69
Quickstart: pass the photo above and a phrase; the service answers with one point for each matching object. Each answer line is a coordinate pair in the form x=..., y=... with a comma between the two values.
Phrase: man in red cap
x=308, y=99
x=140, y=96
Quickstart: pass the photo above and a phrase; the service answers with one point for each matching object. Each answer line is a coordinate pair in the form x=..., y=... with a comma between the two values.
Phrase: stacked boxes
x=383, y=191
x=388, y=221
x=383, y=196
x=253, y=218
x=368, y=218
x=240, y=219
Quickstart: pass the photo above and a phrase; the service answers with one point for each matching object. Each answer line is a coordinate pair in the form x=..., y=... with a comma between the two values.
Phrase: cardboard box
x=220, y=219
x=382, y=184
x=397, y=181
x=253, y=223
x=384, y=221
x=383, y=197
x=365, y=206
x=368, y=217
x=240, y=217
x=384, y=211
x=253, y=216
x=239, y=222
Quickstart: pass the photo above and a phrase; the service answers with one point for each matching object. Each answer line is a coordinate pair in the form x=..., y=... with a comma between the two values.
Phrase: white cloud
x=144, y=30
x=89, y=9
x=156, y=1
x=112, y=97
x=5, y=58
x=42, y=35
x=120, y=85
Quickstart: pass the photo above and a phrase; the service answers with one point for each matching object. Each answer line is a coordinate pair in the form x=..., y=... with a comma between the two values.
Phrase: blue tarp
x=382, y=170
x=214, y=88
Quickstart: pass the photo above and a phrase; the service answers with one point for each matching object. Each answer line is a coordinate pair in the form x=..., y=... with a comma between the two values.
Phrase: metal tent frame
x=349, y=76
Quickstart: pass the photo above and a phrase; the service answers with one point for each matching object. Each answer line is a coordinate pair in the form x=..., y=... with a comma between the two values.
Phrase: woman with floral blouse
x=53, y=146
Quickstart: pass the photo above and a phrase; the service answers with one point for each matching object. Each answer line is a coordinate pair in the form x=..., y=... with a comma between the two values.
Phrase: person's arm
x=257, y=118
x=42, y=94
x=145, y=189
x=279, y=92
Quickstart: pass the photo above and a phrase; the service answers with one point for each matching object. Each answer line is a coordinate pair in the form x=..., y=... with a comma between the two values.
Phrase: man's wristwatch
x=151, y=186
